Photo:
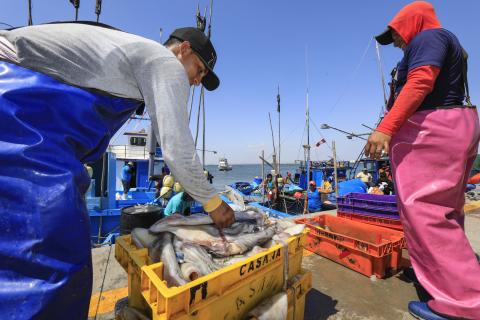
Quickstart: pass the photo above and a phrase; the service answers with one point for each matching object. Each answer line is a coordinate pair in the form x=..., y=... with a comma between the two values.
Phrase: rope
x=301, y=141
x=320, y=132
x=202, y=92
x=103, y=281
x=347, y=85
x=191, y=104
x=198, y=120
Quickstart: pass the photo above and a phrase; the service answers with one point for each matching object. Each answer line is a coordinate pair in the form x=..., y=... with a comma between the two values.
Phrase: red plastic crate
x=365, y=248
x=373, y=220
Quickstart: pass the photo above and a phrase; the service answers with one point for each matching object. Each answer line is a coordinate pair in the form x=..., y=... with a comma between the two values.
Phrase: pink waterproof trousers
x=432, y=155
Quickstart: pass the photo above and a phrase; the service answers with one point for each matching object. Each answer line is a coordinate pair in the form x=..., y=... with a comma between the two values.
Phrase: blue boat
x=103, y=197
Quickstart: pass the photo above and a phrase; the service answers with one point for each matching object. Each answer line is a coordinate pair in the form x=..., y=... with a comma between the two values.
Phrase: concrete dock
x=337, y=292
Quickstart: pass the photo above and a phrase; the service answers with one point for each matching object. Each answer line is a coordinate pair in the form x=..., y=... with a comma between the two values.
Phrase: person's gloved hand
x=223, y=216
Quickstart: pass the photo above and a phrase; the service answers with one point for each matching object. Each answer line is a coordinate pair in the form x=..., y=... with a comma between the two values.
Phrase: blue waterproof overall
x=47, y=130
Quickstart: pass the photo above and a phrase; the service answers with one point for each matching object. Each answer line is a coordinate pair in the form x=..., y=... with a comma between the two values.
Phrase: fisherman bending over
x=65, y=89
x=179, y=203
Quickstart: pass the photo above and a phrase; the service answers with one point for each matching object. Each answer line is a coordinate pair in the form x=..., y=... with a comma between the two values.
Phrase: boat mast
x=278, y=110
x=274, y=156
x=307, y=114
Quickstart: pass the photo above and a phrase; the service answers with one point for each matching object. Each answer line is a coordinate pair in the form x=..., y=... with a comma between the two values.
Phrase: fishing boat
x=103, y=199
x=223, y=165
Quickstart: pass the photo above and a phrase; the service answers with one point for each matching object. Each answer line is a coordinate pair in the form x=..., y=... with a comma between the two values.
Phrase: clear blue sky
x=261, y=44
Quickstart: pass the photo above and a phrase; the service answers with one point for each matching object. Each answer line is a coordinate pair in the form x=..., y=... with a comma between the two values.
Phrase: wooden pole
x=335, y=167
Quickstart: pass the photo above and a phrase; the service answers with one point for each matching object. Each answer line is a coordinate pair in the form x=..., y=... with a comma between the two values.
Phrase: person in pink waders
x=431, y=132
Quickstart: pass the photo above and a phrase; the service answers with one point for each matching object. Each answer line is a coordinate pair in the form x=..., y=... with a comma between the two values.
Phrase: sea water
x=243, y=172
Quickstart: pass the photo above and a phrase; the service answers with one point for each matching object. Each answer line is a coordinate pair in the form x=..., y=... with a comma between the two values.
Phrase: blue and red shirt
x=441, y=48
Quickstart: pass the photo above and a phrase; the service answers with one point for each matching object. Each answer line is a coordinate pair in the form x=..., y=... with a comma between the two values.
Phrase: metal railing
x=129, y=152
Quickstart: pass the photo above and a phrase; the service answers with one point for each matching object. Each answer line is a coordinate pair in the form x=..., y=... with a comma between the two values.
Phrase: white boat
x=223, y=165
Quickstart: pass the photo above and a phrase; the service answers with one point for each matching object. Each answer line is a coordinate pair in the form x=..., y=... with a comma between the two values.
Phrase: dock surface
x=337, y=292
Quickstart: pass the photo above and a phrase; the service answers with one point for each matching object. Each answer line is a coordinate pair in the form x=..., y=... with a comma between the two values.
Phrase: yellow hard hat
x=177, y=187
x=168, y=181
x=166, y=192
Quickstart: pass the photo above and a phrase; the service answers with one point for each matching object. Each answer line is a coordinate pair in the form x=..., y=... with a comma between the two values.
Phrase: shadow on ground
x=319, y=306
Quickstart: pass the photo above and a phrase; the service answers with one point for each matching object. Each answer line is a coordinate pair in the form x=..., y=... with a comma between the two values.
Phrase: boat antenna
x=30, y=21
x=76, y=5
x=380, y=69
x=278, y=110
x=98, y=9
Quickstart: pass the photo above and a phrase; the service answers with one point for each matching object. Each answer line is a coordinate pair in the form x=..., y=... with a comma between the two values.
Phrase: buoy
x=177, y=187
x=166, y=192
x=168, y=181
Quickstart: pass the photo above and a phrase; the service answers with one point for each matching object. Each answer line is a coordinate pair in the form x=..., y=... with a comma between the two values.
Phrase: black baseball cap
x=385, y=37
x=204, y=49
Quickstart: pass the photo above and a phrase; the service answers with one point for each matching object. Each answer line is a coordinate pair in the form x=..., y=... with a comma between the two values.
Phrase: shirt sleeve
x=165, y=89
x=428, y=48
x=420, y=83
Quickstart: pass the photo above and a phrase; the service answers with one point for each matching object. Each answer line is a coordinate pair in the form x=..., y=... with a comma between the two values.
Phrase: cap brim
x=210, y=81
x=385, y=37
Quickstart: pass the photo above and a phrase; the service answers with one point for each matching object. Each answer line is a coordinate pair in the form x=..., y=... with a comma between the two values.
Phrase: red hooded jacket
x=410, y=21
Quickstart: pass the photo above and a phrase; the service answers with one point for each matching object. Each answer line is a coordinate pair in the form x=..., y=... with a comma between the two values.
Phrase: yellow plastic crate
x=229, y=292
x=296, y=294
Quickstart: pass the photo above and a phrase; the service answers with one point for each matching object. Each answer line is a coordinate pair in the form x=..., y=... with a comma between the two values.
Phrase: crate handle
x=344, y=253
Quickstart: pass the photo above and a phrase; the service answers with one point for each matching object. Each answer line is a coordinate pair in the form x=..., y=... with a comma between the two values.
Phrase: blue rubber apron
x=47, y=130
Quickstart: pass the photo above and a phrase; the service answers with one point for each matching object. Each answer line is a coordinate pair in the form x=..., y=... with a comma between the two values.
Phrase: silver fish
x=174, y=220
x=142, y=238
x=197, y=254
x=190, y=271
x=226, y=261
x=273, y=308
x=163, y=251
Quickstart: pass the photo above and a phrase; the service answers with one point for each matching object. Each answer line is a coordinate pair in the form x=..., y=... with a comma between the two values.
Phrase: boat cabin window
x=138, y=141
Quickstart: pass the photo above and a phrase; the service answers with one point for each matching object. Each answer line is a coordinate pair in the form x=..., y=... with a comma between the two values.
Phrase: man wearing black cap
x=65, y=89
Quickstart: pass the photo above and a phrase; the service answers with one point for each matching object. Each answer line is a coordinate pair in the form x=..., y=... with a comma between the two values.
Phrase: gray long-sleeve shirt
x=123, y=65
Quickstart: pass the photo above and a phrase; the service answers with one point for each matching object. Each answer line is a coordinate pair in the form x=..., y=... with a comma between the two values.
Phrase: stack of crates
x=376, y=209
x=228, y=293
x=368, y=249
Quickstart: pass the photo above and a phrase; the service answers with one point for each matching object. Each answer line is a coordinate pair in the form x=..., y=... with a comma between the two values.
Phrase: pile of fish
x=191, y=247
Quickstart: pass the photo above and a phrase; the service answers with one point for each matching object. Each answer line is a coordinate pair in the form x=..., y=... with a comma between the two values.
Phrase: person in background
x=179, y=203
x=314, y=203
x=384, y=184
x=289, y=179
x=365, y=176
x=267, y=185
x=208, y=175
x=431, y=133
x=327, y=186
x=126, y=177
